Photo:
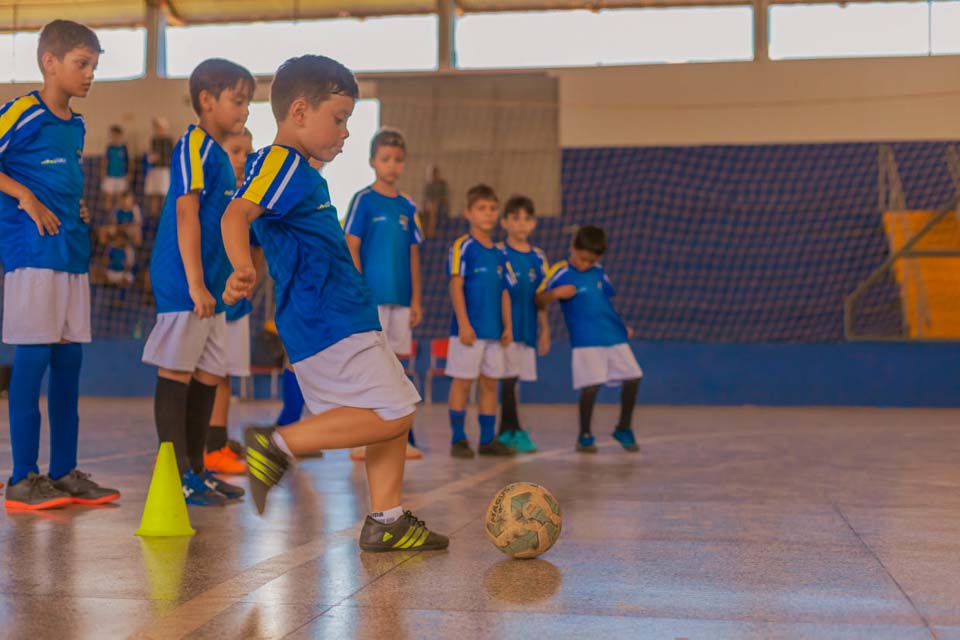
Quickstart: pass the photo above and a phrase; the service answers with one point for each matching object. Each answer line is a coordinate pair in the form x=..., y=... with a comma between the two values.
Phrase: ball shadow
x=522, y=581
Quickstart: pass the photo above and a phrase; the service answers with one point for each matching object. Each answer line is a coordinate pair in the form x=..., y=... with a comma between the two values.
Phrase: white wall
x=689, y=104
x=749, y=103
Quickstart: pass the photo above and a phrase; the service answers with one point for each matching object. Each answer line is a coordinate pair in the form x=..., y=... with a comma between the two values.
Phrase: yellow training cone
x=165, y=513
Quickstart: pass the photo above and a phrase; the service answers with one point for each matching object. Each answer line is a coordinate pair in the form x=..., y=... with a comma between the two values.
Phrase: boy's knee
x=399, y=426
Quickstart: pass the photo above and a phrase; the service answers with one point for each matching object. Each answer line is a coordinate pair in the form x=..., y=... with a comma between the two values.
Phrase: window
x=945, y=27
x=614, y=37
x=350, y=171
x=123, y=58
x=398, y=43
x=852, y=30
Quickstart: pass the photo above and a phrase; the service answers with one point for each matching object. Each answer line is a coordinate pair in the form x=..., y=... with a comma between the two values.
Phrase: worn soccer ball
x=523, y=520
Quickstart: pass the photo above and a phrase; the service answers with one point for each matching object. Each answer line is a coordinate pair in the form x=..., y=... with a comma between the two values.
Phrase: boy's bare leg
x=487, y=402
x=342, y=428
x=385, y=465
x=459, y=393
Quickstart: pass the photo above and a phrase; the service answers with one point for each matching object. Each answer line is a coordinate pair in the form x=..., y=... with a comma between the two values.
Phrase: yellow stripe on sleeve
x=266, y=176
x=550, y=273
x=9, y=119
x=457, y=255
x=196, y=162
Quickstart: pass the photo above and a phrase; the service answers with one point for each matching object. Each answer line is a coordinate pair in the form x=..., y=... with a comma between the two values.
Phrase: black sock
x=588, y=397
x=509, y=420
x=216, y=438
x=200, y=399
x=170, y=414
x=628, y=399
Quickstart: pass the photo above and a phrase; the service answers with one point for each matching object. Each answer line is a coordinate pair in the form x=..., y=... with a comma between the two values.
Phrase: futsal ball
x=523, y=520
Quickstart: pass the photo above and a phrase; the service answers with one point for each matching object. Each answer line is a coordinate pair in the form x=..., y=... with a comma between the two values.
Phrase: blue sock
x=410, y=439
x=488, y=428
x=457, y=418
x=292, y=399
x=29, y=364
x=62, y=398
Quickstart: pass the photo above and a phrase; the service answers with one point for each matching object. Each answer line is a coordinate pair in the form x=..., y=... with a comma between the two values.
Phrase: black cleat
x=406, y=534
x=83, y=490
x=461, y=449
x=266, y=463
x=496, y=448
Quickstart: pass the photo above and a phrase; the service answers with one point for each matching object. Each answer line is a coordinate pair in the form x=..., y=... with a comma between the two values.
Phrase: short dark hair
x=591, y=238
x=387, y=137
x=481, y=192
x=216, y=74
x=312, y=77
x=60, y=37
x=115, y=128
x=516, y=203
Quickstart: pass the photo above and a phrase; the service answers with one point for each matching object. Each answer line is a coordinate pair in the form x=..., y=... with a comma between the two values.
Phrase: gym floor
x=731, y=523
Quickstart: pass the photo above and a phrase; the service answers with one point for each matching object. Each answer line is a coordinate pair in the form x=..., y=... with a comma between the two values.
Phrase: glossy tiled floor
x=731, y=523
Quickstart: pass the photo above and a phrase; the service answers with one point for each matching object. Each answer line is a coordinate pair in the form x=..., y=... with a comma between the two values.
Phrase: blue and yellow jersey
x=321, y=297
x=530, y=269
x=387, y=227
x=590, y=317
x=486, y=273
x=43, y=153
x=118, y=161
x=201, y=165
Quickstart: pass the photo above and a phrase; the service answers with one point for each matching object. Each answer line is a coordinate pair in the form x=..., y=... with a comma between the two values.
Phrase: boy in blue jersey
x=223, y=455
x=481, y=326
x=531, y=329
x=600, y=340
x=188, y=271
x=45, y=249
x=352, y=383
x=384, y=237
x=115, y=178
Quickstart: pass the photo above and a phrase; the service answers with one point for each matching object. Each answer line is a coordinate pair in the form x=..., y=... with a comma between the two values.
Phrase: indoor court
x=756, y=203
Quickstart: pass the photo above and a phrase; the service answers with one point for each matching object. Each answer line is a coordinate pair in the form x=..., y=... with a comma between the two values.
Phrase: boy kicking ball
x=326, y=316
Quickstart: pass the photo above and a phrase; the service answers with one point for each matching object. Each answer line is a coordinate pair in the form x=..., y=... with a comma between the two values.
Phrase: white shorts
x=113, y=186
x=359, y=371
x=43, y=306
x=238, y=347
x=157, y=182
x=520, y=361
x=119, y=277
x=484, y=357
x=183, y=341
x=603, y=365
x=395, y=321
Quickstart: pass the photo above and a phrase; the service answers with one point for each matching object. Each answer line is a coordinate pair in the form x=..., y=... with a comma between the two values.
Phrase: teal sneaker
x=507, y=438
x=626, y=439
x=522, y=442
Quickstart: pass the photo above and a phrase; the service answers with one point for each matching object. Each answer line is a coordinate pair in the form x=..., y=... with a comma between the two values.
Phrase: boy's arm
x=507, y=315
x=543, y=341
x=47, y=223
x=467, y=335
x=416, y=308
x=354, y=243
x=188, y=241
x=235, y=227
